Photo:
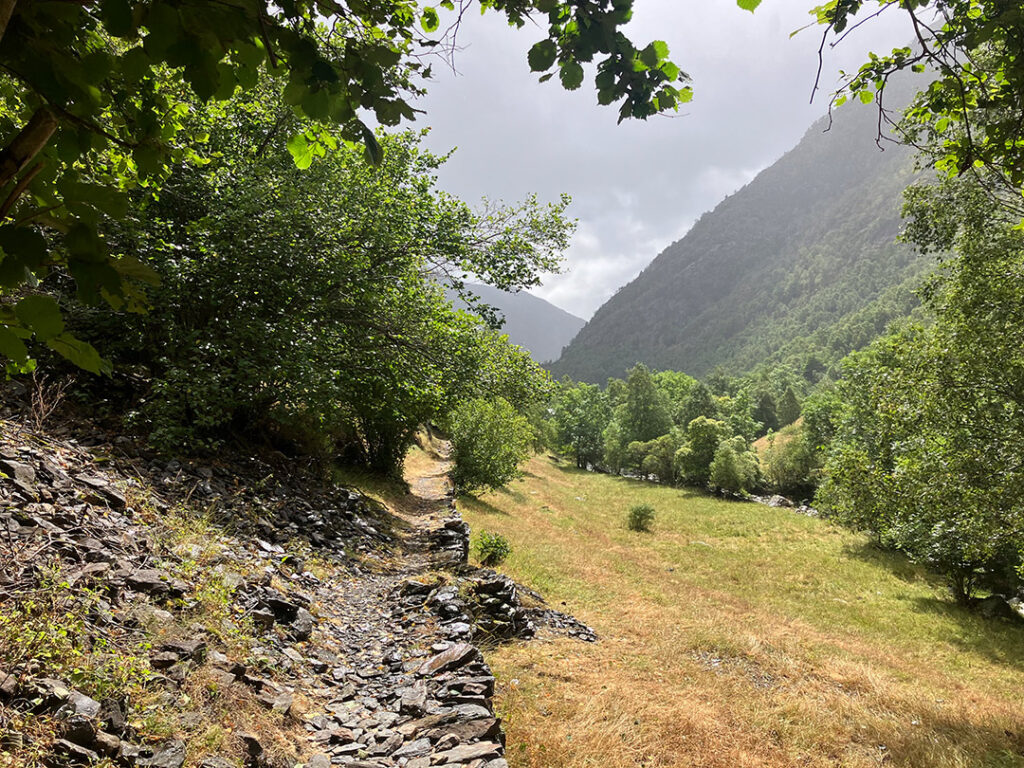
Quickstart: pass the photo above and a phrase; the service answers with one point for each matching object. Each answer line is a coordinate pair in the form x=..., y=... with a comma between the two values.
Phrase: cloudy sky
x=638, y=186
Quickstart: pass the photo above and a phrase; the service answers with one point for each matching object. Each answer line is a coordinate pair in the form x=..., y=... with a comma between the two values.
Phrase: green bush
x=492, y=548
x=640, y=518
x=489, y=442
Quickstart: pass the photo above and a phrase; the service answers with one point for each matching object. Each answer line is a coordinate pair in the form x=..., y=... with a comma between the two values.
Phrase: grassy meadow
x=734, y=635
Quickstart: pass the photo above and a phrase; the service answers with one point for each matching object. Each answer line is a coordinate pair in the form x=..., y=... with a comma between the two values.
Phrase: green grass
x=858, y=644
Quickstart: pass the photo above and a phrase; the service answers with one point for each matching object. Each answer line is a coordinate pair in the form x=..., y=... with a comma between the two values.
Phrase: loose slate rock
x=169, y=755
x=457, y=656
x=417, y=748
x=467, y=752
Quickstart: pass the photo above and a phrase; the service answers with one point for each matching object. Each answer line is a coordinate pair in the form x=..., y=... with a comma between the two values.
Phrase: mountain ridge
x=803, y=250
x=531, y=322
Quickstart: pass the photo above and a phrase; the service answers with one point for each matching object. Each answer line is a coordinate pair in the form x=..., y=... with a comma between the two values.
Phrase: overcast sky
x=638, y=186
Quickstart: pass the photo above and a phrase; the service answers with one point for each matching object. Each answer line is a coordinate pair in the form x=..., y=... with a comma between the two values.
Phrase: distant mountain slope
x=532, y=323
x=801, y=261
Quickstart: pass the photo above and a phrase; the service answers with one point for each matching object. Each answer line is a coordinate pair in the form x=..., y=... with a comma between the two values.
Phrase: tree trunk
x=6, y=11
x=27, y=144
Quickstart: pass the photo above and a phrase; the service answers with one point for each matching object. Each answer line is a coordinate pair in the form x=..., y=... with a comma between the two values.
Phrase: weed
x=640, y=518
x=492, y=548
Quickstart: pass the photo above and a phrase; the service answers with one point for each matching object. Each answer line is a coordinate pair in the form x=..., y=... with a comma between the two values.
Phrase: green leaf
x=316, y=104
x=41, y=314
x=374, y=153
x=571, y=75
x=301, y=152
x=163, y=27
x=134, y=64
x=81, y=353
x=748, y=5
x=649, y=56
x=866, y=97
x=26, y=243
x=13, y=271
x=430, y=21
x=670, y=70
x=84, y=244
x=117, y=17
x=129, y=266
x=11, y=346
x=542, y=55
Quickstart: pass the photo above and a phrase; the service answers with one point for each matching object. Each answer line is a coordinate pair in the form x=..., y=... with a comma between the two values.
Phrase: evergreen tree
x=789, y=408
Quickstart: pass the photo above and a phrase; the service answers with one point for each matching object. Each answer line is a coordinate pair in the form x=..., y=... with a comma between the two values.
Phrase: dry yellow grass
x=738, y=635
x=780, y=438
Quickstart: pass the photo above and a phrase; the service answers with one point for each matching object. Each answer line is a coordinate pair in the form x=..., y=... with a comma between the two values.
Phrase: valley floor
x=738, y=635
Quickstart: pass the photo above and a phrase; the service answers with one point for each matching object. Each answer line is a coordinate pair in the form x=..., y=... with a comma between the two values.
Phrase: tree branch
x=27, y=144
x=19, y=189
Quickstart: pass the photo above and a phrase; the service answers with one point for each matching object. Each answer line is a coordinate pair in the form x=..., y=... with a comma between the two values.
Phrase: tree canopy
x=96, y=100
x=967, y=115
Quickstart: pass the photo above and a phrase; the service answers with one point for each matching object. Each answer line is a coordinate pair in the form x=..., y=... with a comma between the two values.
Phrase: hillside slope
x=738, y=635
x=532, y=323
x=240, y=610
x=801, y=261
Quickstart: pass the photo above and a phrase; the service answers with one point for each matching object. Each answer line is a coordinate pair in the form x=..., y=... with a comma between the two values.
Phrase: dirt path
x=380, y=632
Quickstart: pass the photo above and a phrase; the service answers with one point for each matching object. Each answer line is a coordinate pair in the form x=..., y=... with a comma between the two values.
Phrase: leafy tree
x=581, y=415
x=969, y=115
x=489, y=442
x=644, y=414
x=737, y=411
x=659, y=458
x=789, y=408
x=764, y=412
x=694, y=457
x=699, y=402
x=930, y=431
x=790, y=463
x=616, y=392
x=324, y=331
x=675, y=386
x=614, y=447
x=734, y=467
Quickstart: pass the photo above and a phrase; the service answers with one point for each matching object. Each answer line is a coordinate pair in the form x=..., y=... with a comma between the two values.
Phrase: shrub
x=489, y=442
x=640, y=517
x=492, y=548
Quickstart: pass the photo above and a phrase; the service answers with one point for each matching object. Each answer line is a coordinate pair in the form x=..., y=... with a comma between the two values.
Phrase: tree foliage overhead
x=967, y=115
x=96, y=99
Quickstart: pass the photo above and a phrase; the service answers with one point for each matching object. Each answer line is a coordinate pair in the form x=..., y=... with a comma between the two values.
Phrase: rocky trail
x=241, y=613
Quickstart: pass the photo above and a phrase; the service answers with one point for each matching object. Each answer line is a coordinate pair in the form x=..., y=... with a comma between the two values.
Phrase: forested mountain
x=800, y=264
x=532, y=323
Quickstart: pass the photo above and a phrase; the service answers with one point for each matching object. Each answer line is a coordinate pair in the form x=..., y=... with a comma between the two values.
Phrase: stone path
x=409, y=696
